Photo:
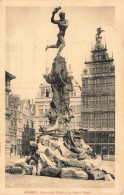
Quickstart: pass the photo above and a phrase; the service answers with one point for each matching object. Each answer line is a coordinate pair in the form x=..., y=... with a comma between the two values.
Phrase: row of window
x=100, y=140
x=99, y=102
x=99, y=70
x=104, y=123
x=104, y=115
x=103, y=137
x=98, y=98
x=98, y=120
x=107, y=80
x=98, y=88
x=100, y=55
x=105, y=150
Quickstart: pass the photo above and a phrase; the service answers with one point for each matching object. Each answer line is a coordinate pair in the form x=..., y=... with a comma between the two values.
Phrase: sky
x=29, y=30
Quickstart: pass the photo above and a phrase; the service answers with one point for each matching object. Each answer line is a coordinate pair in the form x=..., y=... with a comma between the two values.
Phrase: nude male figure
x=62, y=24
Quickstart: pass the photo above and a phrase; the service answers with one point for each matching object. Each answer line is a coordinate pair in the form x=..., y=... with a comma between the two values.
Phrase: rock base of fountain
x=62, y=156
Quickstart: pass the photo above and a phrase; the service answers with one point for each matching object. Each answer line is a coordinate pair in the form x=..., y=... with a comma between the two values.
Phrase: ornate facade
x=25, y=126
x=9, y=130
x=98, y=97
x=19, y=121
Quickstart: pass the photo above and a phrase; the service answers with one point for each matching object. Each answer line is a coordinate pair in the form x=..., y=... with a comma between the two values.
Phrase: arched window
x=47, y=93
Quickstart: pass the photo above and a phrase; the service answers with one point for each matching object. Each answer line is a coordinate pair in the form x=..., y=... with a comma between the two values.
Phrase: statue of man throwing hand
x=62, y=24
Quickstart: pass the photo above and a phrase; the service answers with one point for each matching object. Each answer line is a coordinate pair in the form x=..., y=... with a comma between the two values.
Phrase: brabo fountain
x=60, y=151
x=60, y=114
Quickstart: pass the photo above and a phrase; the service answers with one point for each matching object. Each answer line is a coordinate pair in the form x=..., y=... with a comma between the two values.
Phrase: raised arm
x=52, y=18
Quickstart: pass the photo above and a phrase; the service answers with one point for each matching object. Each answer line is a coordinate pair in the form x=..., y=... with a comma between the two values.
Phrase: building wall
x=13, y=106
x=76, y=105
x=25, y=126
x=42, y=105
x=9, y=139
x=98, y=91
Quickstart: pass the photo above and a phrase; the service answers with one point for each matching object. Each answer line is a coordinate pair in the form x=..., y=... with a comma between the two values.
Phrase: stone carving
x=61, y=83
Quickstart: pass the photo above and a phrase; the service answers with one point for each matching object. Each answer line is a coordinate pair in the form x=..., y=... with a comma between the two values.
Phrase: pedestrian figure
x=20, y=153
x=15, y=150
x=11, y=150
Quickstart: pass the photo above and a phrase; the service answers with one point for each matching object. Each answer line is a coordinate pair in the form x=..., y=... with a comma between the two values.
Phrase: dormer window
x=47, y=93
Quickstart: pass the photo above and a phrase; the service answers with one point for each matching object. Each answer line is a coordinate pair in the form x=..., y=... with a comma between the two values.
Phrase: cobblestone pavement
x=32, y=181
x=14, y=159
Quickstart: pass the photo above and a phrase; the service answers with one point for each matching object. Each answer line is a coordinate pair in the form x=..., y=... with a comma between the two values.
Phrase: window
x=93, y=70
x=111, y=101
x=106, y=70
x=98, y=137
x=105, y=120
x=12, y=123
x=104, y=56
x=104, y=150
x=85, y=102
x=111, y=119
x=111, y=150
x=74, y=93
x=97, y=70
x=91, y=102
x=85, y=120
x=112, y=83
x=47, y=93
x=112, y=137
x=91, y=120
x=98, y=120
x=40, y=109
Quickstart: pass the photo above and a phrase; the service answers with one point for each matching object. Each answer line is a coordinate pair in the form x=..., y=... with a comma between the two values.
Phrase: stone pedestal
x=61, y=83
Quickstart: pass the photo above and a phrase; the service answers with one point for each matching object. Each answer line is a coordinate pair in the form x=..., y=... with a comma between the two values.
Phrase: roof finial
x=47, y=70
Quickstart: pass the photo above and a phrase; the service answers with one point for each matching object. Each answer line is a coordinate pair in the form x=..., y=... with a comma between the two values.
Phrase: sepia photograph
x=60, y=94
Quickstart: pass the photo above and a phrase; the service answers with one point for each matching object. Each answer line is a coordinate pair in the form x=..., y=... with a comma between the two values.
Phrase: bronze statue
x=99, y=31
x=62, y=24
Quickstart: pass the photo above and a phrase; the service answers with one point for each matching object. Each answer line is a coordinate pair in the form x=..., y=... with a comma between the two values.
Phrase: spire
x=47, y=70
x=105, y=45
x=112, y=55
